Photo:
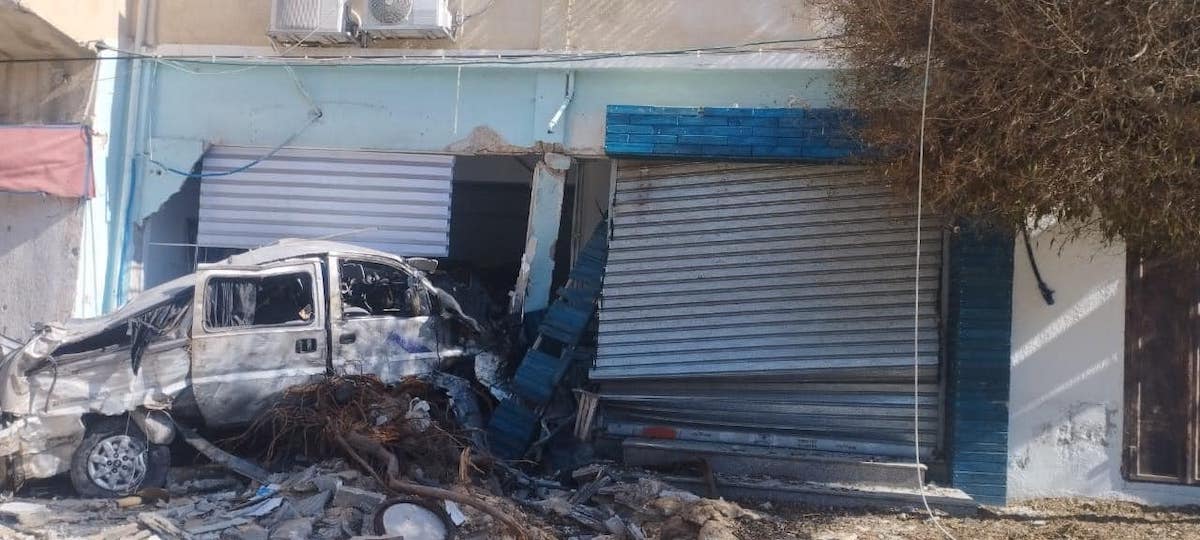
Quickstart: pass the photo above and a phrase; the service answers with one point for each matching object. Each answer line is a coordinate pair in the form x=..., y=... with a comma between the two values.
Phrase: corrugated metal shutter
x=769, y=304
x=399, y=203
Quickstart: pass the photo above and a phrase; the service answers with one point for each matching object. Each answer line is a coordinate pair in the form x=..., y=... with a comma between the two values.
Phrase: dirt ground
x=1038, y=520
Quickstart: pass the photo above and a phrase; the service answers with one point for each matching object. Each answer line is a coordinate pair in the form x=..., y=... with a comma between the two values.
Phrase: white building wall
x=1067, y=390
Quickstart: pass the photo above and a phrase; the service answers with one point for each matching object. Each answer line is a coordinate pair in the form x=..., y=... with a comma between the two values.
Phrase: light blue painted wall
x=381, y=108
x=109, y=108
x=416, y=108
x=438, y=109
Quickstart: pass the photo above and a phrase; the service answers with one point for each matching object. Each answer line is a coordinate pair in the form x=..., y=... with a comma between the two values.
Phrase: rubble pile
x=357, y=459
x=332, y=501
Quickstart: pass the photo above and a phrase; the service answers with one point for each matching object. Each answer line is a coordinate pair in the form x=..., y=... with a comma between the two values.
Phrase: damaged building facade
x=757, y=307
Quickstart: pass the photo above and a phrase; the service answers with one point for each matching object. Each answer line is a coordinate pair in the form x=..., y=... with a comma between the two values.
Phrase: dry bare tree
x=1085, y=110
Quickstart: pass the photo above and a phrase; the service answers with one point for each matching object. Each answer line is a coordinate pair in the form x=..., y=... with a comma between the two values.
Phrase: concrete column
x=545, y=213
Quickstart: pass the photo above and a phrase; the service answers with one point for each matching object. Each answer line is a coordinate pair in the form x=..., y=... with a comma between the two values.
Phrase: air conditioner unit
x=309, y=21
x=392, y=19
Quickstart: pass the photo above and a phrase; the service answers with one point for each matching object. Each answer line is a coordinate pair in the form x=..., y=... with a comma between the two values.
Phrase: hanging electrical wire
x=271, y=153
x=917, y=280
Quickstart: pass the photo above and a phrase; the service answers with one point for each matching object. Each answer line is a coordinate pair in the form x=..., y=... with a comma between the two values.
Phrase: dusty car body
x=100, y=397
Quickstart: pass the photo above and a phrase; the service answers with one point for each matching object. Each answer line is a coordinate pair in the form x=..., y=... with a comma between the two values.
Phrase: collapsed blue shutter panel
x=980, y=333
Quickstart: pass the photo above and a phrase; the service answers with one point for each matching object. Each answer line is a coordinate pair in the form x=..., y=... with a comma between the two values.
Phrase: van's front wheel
x=115, y=459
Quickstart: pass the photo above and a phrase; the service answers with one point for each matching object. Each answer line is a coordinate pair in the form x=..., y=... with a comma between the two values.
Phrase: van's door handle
x=346, y=339
x=306, y=345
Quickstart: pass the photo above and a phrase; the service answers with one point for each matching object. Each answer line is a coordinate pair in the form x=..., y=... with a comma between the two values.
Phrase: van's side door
x=256, y=331
x=380, y=321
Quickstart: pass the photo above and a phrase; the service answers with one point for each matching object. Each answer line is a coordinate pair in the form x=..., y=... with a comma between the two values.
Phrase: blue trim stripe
x=819, y=135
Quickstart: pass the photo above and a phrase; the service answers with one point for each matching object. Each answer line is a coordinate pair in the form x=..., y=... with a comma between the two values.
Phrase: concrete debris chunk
x=214, y=526
x=293, y=529
x=162, y=526
x=6, y=532
x=615, y=525
x=143, y=535
x=117, y=533
x=249, y=531
x=328, y=482
x=361, y=499
x=285, y=512
x=25, y=513
x=313, y=505
x=457, y=517
x=417, y=416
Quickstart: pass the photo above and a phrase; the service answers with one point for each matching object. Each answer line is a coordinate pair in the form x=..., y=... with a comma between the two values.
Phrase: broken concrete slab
x=314, y=505
x=26, y=514
x=293, y=529
x=161, y=525
x=117, y=533
x=328, y=482
x=361, y=499
x=214, y=526
x=249, y=531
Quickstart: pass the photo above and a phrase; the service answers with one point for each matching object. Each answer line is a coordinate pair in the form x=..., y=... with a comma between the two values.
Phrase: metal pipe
x=116, y=271
x=562, y=109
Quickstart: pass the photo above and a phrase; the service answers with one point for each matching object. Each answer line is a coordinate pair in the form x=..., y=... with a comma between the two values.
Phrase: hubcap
x=118, y=463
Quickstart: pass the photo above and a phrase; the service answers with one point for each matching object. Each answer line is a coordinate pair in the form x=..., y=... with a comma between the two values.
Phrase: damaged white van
x=100, y=398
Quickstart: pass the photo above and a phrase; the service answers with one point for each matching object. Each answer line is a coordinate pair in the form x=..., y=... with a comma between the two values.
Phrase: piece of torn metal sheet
x=768, y=304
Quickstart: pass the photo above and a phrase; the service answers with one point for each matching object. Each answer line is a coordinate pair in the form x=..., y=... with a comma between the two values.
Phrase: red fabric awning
x=55, y=160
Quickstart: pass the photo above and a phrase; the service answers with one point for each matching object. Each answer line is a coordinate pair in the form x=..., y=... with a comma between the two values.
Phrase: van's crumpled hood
x=15, y=386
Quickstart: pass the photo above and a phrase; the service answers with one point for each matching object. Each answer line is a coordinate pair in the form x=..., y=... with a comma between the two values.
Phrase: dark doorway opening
x=1162, y=382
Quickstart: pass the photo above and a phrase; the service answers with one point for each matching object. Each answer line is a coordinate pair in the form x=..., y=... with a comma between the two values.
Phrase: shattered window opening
x=153, y=324
x=373, y=289
x=136, y=332
x=240, y=302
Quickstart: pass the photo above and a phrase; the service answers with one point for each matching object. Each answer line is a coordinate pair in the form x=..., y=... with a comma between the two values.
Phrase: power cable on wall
x=312, y=120
x=315, y=114
x=1047, y=292
x=917, y=279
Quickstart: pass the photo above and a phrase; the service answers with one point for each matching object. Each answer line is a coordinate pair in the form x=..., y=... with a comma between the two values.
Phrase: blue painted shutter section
x=980, y=333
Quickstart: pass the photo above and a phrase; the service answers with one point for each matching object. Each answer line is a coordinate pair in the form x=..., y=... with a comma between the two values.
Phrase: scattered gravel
x=1057, y=519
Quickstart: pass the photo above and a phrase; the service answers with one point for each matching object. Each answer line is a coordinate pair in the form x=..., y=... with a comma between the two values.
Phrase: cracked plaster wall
x=39, y=260
x=1066, y=398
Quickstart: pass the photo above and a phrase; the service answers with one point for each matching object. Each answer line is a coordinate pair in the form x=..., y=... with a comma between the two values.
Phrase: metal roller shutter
x=767, y=304
x=399, y=203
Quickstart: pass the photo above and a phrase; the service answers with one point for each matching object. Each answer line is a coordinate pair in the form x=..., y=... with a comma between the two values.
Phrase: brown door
x=1162, y=393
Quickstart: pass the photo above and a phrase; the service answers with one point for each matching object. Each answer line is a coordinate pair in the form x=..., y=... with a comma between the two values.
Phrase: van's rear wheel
x=115, y=459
